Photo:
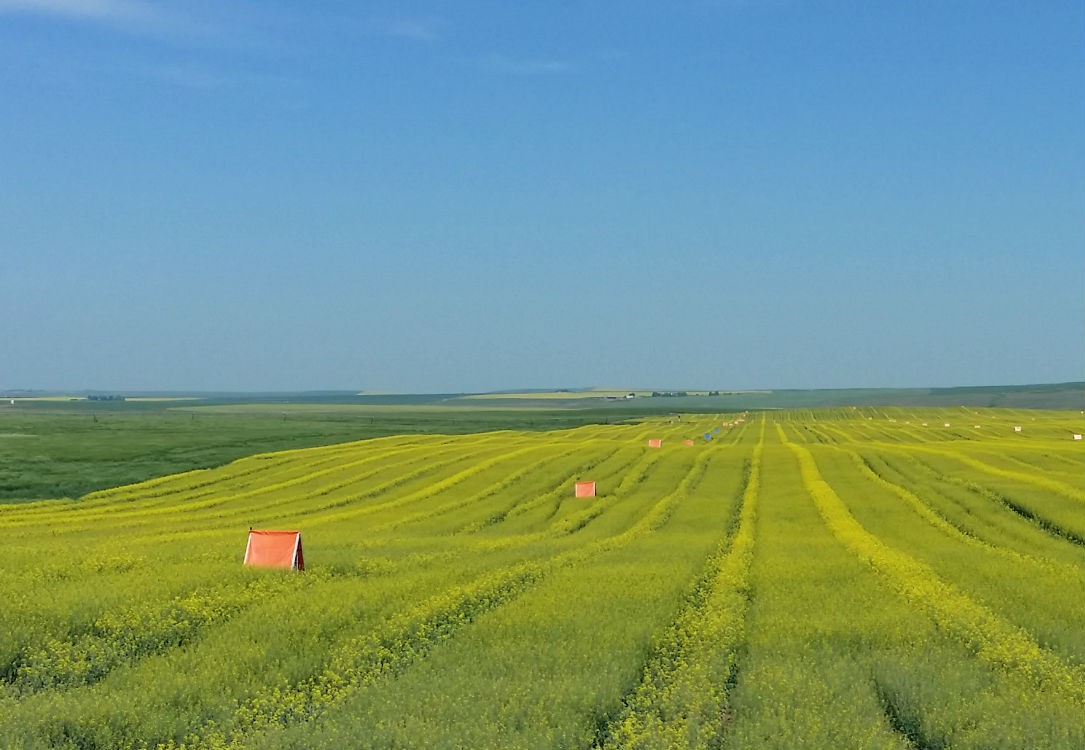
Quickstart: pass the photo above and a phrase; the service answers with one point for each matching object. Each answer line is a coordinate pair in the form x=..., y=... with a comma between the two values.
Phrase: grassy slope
x=68, y=448
x=859, y=578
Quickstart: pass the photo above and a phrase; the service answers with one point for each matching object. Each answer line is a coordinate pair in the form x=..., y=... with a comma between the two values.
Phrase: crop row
x=412, y=634
x=839, y=578
x=986, y=633
x=681, y=700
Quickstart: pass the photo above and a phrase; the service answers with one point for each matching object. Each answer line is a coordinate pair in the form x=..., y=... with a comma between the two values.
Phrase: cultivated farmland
x=845, y=578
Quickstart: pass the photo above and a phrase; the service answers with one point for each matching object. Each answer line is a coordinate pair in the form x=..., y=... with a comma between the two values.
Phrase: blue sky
x=470, y=196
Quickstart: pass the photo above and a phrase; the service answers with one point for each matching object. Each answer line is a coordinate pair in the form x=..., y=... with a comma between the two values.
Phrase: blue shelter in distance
x=708, y=436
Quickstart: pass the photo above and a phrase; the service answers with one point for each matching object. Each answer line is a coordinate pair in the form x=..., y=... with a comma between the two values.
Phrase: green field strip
x=547, y=515
x=826, y=635
x=108, y=531
x=1070, y=473
x=300, y=465
x=681, y=699
x=1070, y=465
x=502, y=542
x=783, y=434
x=35, y=615
x=967, y=508
x=937, y=699
x=595, y=460
x=612, y=512
x=658, y=479
x=41, y=608
x=815, y=435
x=1054, y=505
x=541, y=650
x=913, y=435
x=910, y=433
x=193, y=479
x=1056, y=514
x=1027, y=592
x=396, y=494
x=744, y=434
x=390, y=477
x=673, y=432
x=938, y=612
x=863, y=431
x=991, y=637
x=121, y=636
x=243, y=653
x=533, y=514
x=655, y=520
x=409, y=635
x=258, y=505
x=71, y=514
x=837, y=433
x=550, y=489
x=787, y=415
x=498, y=538
x=133, y=519
x=547, y=463
x=462, y=564
x=961, y=514
x=799, y=432
x=294, y=495
x=873, y=466
x=802, y=678
x=1064, y=451
x=265, y=465
x=633, y=465
x=454, y=491
x=741, y=434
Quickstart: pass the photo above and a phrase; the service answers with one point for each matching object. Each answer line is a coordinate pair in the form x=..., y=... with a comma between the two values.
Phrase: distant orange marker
x=275, y=549
x=585, y=489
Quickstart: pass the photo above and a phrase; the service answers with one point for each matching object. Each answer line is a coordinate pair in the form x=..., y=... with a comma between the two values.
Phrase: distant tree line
x=674, y=394
x=102, y=397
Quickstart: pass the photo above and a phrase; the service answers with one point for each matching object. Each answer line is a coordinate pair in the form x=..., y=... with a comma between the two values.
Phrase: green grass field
x=875, y=577
x=63, y=449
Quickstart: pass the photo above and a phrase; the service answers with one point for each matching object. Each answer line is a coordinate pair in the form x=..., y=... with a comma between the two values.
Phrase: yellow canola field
x=860, y=578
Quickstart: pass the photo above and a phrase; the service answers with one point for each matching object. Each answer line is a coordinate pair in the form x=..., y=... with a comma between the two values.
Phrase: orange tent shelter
x=585, y=489
x=275, y=549
x=687, y=441
x=655, y=442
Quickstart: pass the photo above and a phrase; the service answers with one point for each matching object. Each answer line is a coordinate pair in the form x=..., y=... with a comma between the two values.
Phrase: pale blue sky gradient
x=468, y=196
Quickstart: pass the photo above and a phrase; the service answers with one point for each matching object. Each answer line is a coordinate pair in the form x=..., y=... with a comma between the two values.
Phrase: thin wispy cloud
x=130, y=16
x=107, y=11
x=524, y=66
x=198, y=77
x=414, y=29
